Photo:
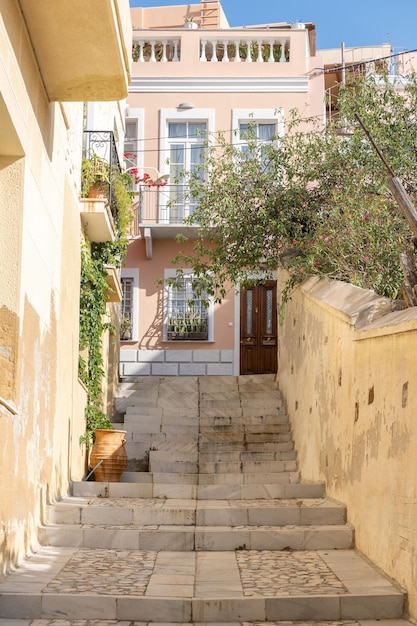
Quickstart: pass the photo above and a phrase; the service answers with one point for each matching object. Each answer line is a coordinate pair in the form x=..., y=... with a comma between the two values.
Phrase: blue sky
x=356, y=23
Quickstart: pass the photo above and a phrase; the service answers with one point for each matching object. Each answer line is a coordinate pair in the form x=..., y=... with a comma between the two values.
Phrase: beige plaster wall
x=347, y=368
x=41, y=400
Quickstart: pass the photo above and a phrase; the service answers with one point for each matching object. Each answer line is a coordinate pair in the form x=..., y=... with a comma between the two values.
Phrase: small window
x=126, y=320
x=187, y=314
x=263, y=133
x=130, y=144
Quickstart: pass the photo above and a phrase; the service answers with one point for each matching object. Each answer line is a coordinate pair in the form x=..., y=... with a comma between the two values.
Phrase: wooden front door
x=258, y=329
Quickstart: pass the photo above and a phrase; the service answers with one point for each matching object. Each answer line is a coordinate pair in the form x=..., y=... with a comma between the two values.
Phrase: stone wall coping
x=370, y=314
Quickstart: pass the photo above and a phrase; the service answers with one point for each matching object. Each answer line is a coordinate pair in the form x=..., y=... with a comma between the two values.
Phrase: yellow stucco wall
x=348, y=372
x=41, y=401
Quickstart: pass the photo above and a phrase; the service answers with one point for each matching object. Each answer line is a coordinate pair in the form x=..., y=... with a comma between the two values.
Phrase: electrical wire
x=332, y=70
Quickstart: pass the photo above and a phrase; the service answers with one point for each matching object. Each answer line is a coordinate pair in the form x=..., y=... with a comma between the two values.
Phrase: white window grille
x=126, y=320
x=187, y=312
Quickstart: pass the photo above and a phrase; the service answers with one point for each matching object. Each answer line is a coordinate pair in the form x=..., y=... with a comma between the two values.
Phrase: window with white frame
x=263, y=125
x=129, y=304
x=134, y=129
x=188, y=312
x=186, y=153
x=130, y=144
x=126, y=309
x=182, y=142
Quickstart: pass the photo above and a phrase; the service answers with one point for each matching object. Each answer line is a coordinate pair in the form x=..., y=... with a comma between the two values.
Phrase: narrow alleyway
x=218, y=529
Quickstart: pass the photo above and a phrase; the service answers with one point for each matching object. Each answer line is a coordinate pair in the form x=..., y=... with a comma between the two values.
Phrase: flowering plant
x=316, y=202
x=148, y=180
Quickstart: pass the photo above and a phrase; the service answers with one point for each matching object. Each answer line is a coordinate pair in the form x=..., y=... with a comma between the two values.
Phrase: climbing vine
x=94, y=320
x=93, y=323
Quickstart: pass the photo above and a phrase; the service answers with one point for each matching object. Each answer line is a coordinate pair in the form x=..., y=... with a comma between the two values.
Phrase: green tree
x=315, y=200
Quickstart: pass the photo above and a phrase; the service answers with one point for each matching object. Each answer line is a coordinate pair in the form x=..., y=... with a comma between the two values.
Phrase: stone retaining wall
x=347, y=367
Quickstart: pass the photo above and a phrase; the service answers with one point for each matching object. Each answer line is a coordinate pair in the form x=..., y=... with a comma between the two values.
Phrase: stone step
x=157, y=489
x=138, y=451
x=213, y=447
x=189, y=462
x=244, y=457
x=226, y=420
x=250, y=478
x=147, y=511
x=160, y=537
x=179, y=446
x=166, y=478
x=171, y=462
x=66, y=583
x=240, y=438
x=243, y=428
x=246, y=467
x=136, y=431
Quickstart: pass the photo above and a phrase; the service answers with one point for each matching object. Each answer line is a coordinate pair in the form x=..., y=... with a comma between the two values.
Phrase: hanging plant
x=92, y=326
x=93, y=312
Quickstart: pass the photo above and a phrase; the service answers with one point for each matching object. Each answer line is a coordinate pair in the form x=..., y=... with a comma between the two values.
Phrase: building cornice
x=276, y=84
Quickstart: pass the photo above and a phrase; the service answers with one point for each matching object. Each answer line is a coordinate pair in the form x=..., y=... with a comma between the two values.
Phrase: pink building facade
x=190, y=80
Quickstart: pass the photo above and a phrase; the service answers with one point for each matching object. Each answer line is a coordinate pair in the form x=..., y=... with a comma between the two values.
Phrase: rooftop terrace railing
x=219, y=48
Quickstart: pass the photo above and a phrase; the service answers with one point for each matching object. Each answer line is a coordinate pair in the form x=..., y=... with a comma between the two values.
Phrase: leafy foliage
x=92, y=325
x=93, y=312
x=314, y=201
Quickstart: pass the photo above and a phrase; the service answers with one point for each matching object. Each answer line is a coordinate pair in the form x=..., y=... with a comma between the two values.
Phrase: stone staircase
x=218, y=528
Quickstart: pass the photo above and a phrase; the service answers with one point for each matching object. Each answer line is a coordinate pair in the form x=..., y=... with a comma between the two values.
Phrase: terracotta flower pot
x=109, y=446
x=99, y=190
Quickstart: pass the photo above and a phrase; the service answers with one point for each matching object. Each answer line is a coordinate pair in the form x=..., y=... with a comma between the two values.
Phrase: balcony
x=114, y=291
x=82, y=47
x=209, y=59
x=99, y=215
x=159, y=216
x=97, y=220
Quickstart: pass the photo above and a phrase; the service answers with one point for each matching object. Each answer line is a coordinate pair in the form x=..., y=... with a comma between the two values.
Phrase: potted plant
x=108, y=457
x=187, y=326
x=95, y=177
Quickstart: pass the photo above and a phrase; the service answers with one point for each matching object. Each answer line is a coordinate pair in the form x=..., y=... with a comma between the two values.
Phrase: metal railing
x=163, y=205
x=102, y=144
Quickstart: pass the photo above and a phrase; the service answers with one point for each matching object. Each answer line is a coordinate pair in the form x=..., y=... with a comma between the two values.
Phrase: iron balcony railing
x=102, y=144
x=163, y=205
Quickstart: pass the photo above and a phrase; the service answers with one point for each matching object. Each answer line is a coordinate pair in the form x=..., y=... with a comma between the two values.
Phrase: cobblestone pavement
x=270, y=574
x=262, y=573
x=100, y=622
x=105, y=572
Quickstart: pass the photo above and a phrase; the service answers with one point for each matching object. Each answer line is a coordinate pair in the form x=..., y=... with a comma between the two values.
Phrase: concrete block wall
x=190, y=362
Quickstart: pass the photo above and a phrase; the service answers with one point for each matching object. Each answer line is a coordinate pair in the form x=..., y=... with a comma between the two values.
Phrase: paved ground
x=241, y=573
x=204, y=574
x=100, y=622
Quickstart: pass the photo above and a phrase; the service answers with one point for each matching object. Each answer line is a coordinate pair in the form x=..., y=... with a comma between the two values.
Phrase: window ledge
x=180, y=341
